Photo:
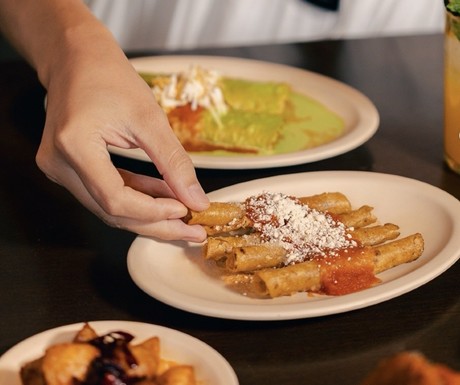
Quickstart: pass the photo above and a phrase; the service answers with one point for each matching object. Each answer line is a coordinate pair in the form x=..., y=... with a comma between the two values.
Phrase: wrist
x=78, y=47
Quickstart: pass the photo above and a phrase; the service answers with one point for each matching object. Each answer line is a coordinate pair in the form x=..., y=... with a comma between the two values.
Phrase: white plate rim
x=212, y=365
x=263, y=310
x=366, y=113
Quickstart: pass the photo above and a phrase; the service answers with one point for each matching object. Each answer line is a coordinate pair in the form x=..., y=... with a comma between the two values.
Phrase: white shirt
x=184, y=24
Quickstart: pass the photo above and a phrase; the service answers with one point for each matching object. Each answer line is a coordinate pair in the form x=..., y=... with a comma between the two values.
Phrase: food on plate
x=411, y=368
x=210, y=112
x=109, y=359
x=273, y=244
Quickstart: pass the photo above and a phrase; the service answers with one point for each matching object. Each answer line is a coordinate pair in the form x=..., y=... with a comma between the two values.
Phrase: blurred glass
x=452, y=85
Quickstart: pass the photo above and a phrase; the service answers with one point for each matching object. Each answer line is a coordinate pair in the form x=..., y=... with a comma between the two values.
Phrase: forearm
x=56, y=36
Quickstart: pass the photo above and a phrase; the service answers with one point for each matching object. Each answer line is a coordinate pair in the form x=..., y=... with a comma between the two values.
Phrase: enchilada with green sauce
x=241, y=116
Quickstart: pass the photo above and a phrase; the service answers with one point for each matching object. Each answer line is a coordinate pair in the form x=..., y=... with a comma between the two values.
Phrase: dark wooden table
x=59, y=264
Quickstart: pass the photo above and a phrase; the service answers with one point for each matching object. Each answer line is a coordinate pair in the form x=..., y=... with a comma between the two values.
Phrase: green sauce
x=266, y=118
x=306, y=124
x=312, y=126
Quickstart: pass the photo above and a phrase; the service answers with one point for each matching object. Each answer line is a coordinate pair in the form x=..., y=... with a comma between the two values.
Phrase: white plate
x=210, y=367
x=359, y=114
x=171, y=273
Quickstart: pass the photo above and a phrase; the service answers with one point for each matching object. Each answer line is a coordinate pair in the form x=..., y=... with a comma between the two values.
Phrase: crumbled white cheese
x=303, y=232
x=197, y=87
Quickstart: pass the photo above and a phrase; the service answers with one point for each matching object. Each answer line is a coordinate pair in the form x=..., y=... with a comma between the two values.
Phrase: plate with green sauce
x=289, y=115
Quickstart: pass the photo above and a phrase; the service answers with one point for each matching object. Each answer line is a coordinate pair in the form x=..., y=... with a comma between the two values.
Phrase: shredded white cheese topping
x=197, y=87
x=303, y=232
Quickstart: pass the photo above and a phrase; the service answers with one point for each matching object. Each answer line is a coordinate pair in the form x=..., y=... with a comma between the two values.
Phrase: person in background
x=96, y=99
x=142, y=25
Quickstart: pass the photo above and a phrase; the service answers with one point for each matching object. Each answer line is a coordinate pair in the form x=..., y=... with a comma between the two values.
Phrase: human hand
x=92, y=103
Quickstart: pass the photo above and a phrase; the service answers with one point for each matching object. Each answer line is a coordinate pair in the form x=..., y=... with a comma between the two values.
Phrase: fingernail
x=198, y=196
x=196, y=234
x=179, y=213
